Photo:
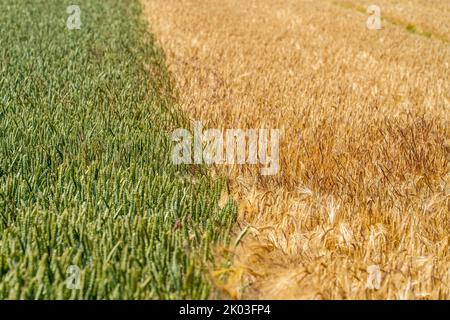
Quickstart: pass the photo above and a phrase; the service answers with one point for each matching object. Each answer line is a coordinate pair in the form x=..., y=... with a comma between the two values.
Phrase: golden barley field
x=365, y=144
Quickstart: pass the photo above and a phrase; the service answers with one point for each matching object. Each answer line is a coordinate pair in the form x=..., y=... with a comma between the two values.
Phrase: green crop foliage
x=411, y=28
x=85, y=171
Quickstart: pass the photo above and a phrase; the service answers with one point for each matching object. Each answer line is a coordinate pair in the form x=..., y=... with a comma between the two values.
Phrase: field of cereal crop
x=115, y=116
x=364, y=179
x=91, y=206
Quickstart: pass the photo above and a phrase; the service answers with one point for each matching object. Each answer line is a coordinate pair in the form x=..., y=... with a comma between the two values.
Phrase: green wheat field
x=85, y=173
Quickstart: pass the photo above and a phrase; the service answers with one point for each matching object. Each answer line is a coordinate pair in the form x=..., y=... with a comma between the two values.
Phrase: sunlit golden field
x=365, y=145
